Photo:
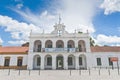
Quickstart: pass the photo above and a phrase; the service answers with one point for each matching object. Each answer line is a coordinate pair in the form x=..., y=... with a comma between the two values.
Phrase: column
x=54, y=43
x=65, y=43
x=65, y=62
x=87, y=42
x=77, y=62
x=43, y=43
x=42, y=62
x=76, y=44
x=53, y=62
x=30, y=62
x=31, y=46
x=43, y=46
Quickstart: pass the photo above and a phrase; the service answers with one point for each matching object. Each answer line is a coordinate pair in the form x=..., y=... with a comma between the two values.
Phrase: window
x=59, y=32
x=98, y=61
x=39, y=48
x=110, y=62
x=80, y=48
x=49, y=61
x=70, y=62
x=7, y=62
x=19, y=62
x=38, y=61
x=49, y=46
x=69, y=46
x=80, y=61
x=59, y=46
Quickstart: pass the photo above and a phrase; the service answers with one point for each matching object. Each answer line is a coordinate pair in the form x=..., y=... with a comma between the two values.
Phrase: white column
x=65, y=43
x=87, y=42
x=54, y=44
x=77, y=62
x=43, y=43
x=30, y=62
x=65, y=62
x=42, y=62
x=76, y=43
x=53, y=62
x=31, y=46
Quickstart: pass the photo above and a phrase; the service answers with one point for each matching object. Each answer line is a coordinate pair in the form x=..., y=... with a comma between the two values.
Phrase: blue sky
x=19, y=17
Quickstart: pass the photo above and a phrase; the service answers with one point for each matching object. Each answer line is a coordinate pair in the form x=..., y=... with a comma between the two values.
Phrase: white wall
x=104, y=58
x=13, y=59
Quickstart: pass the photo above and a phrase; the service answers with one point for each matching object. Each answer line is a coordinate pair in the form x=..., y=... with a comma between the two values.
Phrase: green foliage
x=80, y=32
x=92, y=42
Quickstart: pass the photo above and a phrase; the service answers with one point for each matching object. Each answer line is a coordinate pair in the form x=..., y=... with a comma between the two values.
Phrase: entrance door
x=36, y=62
x=59, y=62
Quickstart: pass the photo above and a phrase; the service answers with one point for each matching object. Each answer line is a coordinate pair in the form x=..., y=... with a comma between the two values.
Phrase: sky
x=100, y=17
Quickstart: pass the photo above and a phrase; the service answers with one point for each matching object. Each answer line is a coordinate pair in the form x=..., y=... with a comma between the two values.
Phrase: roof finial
x=87, y=31
x=30, y=31
x=59, y=19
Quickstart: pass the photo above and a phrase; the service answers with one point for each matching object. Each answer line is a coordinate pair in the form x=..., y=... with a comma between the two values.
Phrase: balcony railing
x=59, y=49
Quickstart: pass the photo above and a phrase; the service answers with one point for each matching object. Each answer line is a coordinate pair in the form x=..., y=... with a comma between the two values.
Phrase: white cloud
x=1, y=41
x=18, y=30
x=44, y=20
x=18, y=42
x=76, y=14
x=111, y=6
x=19, y=6
x=109, y=40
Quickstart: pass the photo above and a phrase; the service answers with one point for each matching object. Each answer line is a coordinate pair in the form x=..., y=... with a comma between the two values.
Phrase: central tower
x=59, y=28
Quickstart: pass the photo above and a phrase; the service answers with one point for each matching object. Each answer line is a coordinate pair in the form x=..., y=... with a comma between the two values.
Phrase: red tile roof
x=13, y=50
x=105, y=49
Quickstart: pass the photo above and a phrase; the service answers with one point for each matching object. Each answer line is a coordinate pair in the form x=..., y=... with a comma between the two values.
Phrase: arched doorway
x=36, y=62
x=37, y=46
x=48, y=44
x=71, y=44
x=81, y=46
x=48, y=62
x=82, y=62
x=59, y=62
x=59, y=44
x=71, y=62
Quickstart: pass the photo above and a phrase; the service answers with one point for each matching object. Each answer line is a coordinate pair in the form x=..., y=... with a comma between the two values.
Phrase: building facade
x=63, y=50
x=59, y=50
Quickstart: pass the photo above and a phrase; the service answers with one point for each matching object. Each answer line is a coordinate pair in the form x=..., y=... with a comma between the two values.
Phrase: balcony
x=59, y=49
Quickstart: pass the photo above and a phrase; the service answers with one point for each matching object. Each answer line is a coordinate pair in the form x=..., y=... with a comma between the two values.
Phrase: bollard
x=70, y=72
x=29, y=71
x=9, y=72
x=109, y=71
x=89, y=71
x=118, y=67
x=79, y=71
x=39, y=72
x=19, y=72
x=99, y=72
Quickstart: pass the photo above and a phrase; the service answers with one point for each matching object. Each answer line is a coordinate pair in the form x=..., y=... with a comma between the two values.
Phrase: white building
x=58, y=50
x=63, y=50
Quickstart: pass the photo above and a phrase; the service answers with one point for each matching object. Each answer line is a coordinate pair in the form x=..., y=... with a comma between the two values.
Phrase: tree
x=25, y=44
x=92, y=42
x=80, y=32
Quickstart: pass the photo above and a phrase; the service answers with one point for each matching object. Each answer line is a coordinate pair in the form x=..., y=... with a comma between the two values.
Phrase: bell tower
x=59, y=28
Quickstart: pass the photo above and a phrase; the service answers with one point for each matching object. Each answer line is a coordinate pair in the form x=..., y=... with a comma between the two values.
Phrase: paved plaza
x=94, y=74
